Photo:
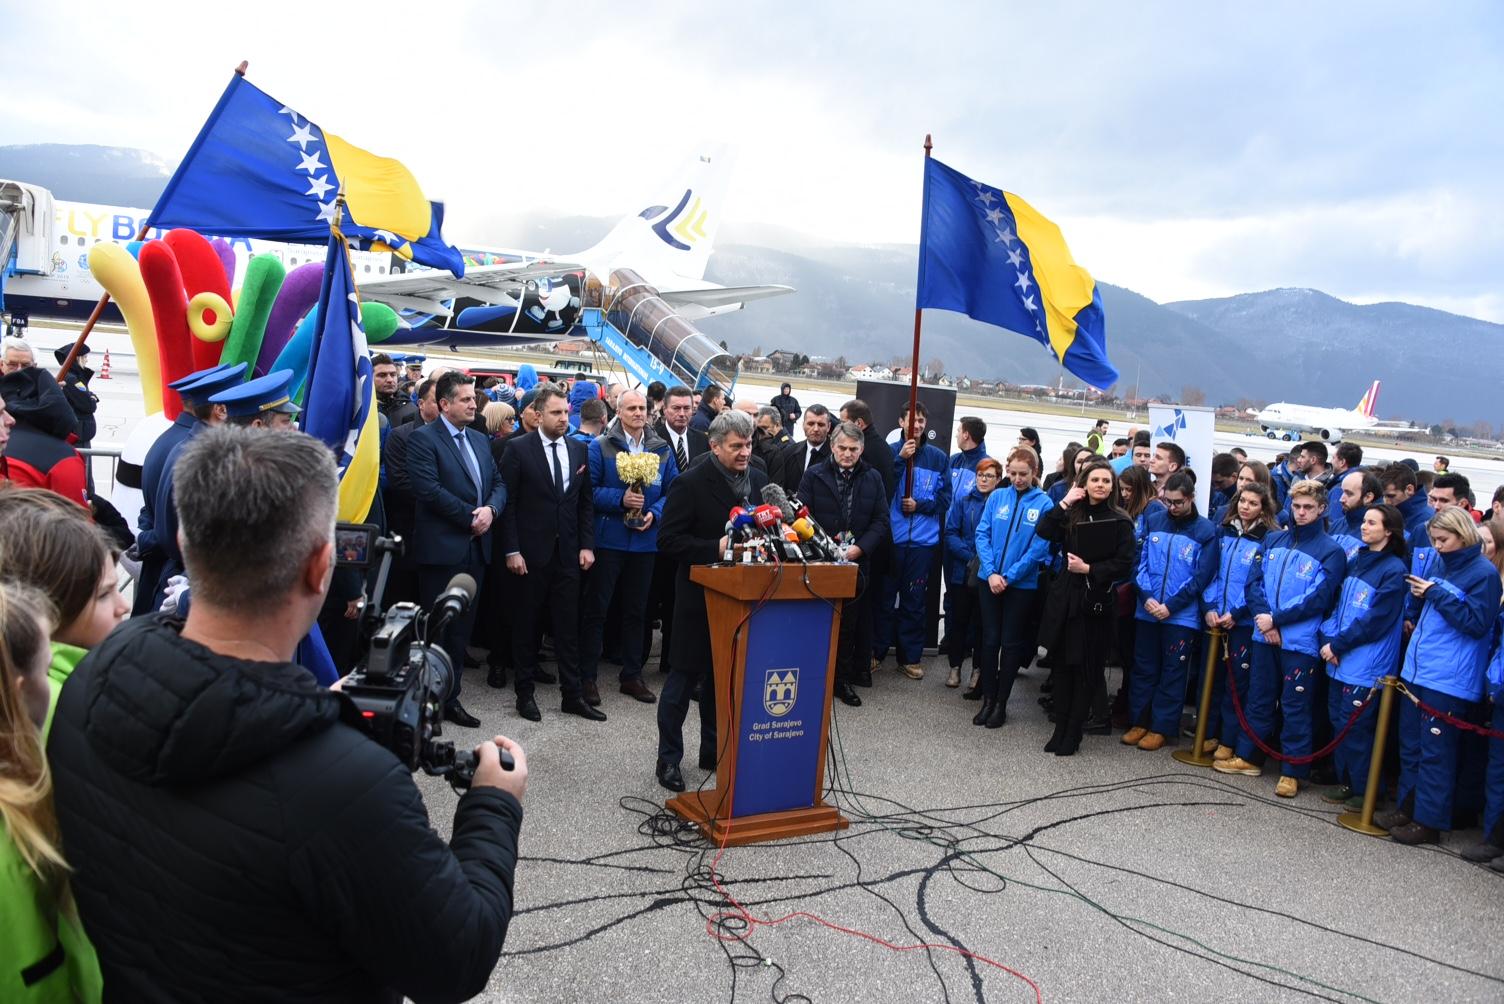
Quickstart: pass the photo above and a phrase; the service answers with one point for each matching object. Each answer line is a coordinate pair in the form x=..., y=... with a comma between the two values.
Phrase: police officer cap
x=267, y=393
x=204, y=384
x=415, y=360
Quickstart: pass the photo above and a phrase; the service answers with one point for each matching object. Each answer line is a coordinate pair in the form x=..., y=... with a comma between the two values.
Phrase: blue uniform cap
x=267, y=393
x=204, y=384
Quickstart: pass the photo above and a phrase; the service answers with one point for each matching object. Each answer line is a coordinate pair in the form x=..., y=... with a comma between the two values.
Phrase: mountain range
x=857, y=301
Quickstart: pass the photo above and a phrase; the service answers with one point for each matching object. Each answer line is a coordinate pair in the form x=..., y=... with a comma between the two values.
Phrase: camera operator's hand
x=488, y=771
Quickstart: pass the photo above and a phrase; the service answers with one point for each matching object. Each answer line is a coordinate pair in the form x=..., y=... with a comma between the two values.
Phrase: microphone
x=775, y=496
x=737, y=523
x=823, y=539
x=453, y=601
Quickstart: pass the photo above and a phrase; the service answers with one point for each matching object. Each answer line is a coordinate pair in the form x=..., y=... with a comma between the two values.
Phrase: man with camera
x=231, y=831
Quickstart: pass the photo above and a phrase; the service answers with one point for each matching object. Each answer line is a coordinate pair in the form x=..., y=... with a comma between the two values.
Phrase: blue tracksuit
x=1493, y=786
x=1300, y=573
x=1417, y=513
x=1177, y=561
x=1227, y=594
x=963, y=469
x=1346, y=528
x=961, y=535
x=1445, y=664
x=1364, y=631
x=1008, y=544
x=1007, y=540
x=915, y=537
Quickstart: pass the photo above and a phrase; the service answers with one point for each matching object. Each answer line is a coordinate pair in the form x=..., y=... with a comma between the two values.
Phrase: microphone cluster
x=780, y=529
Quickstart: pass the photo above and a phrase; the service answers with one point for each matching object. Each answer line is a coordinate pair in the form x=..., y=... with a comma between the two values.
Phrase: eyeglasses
x=988, y=475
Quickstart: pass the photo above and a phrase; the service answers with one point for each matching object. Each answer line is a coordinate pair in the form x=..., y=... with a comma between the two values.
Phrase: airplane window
x=381, y=269
x=63, y=240
x=368, y=268
x=79, y=241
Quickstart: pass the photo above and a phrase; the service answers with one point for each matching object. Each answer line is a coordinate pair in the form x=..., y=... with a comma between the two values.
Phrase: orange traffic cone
x=104, y=367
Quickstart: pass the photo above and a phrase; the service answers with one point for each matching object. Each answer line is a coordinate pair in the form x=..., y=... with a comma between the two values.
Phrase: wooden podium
x=773, y=632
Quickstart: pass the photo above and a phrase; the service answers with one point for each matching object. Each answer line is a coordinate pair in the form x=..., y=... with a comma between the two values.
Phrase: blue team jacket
x=961, y=533
x=1301, y=571
x=1007, y=538
x=963, y=469
x=609, y=489
x=931, y=497
x=1346, y=528
x=1176, y=562
x=1449, y=648
x=1417, y=513
x=1495, y=672
x=1227, y=592
x=1365, y=627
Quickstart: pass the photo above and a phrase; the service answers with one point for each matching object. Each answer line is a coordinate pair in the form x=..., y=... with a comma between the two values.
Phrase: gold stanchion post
x=1194, y=756
x=1362, y=822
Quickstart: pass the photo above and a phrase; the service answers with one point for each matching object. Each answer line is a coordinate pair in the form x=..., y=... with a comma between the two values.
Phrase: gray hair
x=728, y=423
x=253, y=505
x=769, y=412
x=847, y=430
x=20, y=345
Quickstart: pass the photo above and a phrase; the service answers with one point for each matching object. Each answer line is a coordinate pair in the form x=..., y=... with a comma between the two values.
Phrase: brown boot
x=1151, y=742
x=1133, y=735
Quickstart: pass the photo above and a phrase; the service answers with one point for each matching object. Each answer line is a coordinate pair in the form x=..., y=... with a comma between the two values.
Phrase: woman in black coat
x=1097, y=538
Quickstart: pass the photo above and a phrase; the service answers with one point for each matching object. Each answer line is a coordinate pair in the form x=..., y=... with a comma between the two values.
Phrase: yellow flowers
x=637, y=470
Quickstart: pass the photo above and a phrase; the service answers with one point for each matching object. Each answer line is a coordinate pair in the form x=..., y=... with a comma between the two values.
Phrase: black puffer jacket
x=233, y=839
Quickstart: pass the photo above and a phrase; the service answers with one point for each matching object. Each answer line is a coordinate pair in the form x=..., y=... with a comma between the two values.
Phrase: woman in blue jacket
x=960, y=548
x=1361, y=642
x=1444, y=666
x=1176, y=562
x=1299, y=574
x=1009, y=552
x=1491, y=847
x=1248, y=519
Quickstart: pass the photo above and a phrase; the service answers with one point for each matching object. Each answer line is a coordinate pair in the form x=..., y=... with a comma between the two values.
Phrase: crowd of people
x=579, y=511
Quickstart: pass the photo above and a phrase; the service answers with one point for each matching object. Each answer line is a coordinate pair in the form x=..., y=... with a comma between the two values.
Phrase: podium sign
x=774, y=643
x=783, y=706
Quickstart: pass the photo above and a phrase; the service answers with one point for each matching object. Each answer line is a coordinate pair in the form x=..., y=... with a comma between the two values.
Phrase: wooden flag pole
x=98, y=311
x=908, y=477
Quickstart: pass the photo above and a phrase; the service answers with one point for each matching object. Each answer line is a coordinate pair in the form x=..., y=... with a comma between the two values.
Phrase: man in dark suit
x=693, y=533
x=397, y=497
x=874, y=448
x=687, y=445
x=459, y=495
x=548, y=536
x=796, y=458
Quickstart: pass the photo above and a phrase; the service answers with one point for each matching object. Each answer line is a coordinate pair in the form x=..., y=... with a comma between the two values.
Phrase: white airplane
x=1290, y=422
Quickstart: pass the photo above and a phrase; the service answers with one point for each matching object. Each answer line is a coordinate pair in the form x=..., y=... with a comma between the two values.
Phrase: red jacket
x=36, y=460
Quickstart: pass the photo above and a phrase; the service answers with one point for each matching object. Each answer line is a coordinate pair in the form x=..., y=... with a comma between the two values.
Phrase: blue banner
x=782, y=707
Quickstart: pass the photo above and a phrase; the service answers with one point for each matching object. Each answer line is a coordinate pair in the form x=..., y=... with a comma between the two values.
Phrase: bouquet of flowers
x=637, y=471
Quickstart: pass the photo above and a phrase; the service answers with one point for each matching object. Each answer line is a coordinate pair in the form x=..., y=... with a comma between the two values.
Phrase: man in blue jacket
x=1354, y=494
x=1299, y=575
x=972, y=450
x=1178, y=560
x=1399, y=484
x=916, y=517
x=624, y=552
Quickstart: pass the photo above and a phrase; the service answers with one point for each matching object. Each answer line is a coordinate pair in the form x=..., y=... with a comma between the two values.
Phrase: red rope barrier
x=1237, y=705
x=1451, y=720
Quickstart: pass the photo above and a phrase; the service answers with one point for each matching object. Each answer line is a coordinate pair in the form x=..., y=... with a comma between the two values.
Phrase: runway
x=1112, y=875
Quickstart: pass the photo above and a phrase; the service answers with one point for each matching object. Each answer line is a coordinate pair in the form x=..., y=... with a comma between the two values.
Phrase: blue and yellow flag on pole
x=990, y=255
x=259, y=169
x=339, y=405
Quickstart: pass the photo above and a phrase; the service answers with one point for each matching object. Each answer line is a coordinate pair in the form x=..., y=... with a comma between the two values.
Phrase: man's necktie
x=680, y=456
x=558, y=471
x=459, y=441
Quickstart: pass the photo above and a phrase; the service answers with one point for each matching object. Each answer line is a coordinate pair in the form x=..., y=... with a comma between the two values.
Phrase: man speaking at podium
x=694, y=532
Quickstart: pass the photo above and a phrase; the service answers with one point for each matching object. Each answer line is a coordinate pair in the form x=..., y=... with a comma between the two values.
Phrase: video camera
x=399, y=686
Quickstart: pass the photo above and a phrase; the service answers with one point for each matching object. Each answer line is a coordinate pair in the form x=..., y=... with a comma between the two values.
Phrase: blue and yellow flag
x=339, y=404
x=259, y=169
x=990, y=255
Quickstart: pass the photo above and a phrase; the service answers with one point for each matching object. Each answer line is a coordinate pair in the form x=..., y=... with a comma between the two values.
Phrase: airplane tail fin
x=1370, y=401
x=670, y=241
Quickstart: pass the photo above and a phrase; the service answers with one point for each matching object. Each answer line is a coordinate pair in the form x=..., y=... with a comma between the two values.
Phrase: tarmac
x=976, y=868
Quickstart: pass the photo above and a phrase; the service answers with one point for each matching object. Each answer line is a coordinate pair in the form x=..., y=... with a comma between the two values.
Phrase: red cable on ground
x=1237, y=705
x=715, y=920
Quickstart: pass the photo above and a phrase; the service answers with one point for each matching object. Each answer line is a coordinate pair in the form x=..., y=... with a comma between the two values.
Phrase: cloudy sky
x=1187, y=149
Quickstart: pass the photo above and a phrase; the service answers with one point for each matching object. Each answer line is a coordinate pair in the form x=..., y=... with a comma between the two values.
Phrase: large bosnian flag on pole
x=339, y=403
x=990, y=255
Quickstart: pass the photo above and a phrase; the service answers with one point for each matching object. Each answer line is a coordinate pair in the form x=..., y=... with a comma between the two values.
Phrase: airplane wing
x=425, y=291
x=721, y=296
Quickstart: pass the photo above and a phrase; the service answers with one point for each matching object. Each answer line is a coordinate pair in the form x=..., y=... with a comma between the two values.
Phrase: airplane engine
x=636, y=310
